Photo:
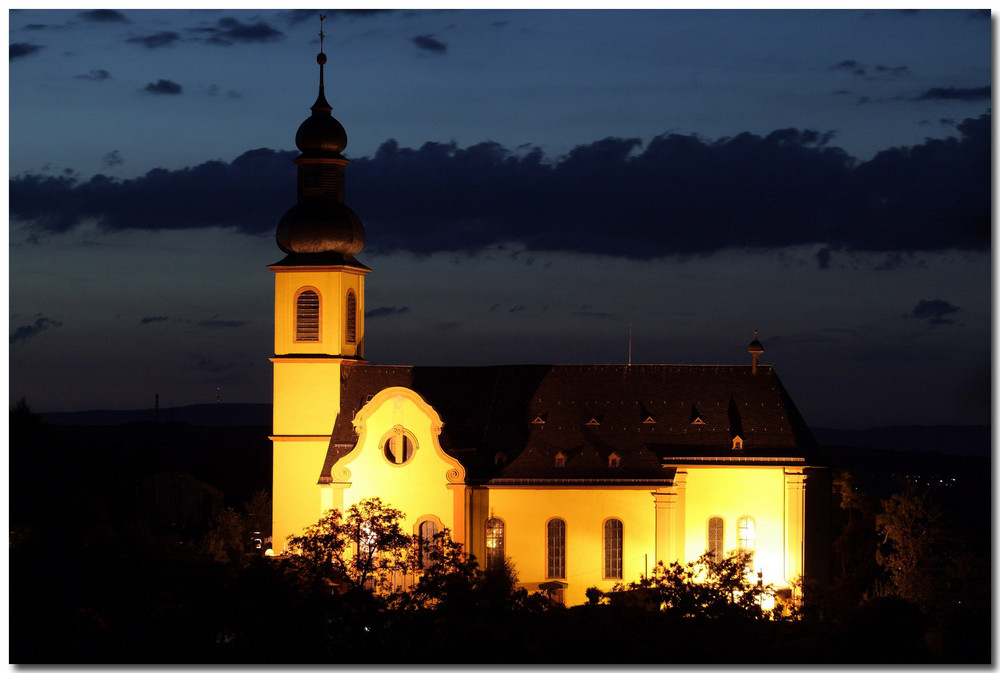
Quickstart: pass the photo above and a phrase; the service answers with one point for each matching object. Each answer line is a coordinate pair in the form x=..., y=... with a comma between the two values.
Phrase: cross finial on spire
x=322, y=17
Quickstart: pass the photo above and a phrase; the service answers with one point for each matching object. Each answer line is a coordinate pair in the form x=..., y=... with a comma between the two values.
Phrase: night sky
x=532, y=183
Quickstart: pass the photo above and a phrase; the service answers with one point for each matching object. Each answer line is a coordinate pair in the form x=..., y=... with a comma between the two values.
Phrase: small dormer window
x=697, y=421
x=737, y=443
x=593, y=421
x=500, y=459
x=614, y=460
x=539, y=420
x=649, y=420
x=560, y=459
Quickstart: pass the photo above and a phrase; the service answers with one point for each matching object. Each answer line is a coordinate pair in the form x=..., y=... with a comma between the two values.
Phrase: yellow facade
x=729, y=493
x=426, y=483
x=307, y=387
x=526, y=512
x=397, y=456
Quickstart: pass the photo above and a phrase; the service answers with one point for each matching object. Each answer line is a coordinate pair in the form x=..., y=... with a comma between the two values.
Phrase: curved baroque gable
x=399, y=407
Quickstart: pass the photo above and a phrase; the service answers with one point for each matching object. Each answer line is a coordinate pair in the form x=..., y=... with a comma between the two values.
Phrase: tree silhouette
x=706, y=588
x=363, y=549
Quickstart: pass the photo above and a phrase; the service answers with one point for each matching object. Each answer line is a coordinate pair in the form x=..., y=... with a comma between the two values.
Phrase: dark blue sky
x=532, y=183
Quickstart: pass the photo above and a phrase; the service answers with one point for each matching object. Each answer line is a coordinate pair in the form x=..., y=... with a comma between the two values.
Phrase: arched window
x=494, y=543
x=613, y=549
x=715, y=538
x=307, y=316
x=398, y=446
x=555, y=549
x=428, y=529
x=746, y=535
x=351, y=324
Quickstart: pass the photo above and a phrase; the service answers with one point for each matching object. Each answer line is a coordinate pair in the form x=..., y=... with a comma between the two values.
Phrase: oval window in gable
x=398, y=446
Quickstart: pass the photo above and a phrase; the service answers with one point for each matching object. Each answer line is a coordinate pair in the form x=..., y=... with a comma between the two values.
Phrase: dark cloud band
x=677, y=195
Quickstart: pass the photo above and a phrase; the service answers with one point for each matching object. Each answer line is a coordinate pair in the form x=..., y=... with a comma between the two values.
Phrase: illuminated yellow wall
x=429, y=484
x=307, y=389
x=332, y=285
x=526, y=512
x=732, y=492
x=296, y=497
x=306, y=395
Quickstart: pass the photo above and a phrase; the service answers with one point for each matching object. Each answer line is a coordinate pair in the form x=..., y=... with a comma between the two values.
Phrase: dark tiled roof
x=642, y=413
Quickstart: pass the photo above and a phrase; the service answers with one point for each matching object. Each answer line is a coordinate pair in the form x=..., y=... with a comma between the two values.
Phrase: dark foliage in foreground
x=93, y=582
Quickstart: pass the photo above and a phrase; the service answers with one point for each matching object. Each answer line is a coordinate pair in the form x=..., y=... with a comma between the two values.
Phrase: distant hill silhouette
x=954, y=440
x=204, y=415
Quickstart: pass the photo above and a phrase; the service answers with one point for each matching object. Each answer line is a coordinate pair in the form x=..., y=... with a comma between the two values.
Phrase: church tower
x=319, y=304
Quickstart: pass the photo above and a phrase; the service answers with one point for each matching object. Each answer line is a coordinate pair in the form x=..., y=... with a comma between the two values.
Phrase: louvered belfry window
x=307, y=316
x=352, y=317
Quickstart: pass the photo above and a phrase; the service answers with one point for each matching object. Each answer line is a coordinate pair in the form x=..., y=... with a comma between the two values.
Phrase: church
x=583, y=475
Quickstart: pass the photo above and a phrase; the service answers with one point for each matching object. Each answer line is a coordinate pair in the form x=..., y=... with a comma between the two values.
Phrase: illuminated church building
x=584, y=475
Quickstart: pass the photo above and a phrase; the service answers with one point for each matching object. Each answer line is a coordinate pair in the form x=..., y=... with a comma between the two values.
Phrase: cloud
x=952, y=93
x=892, y=71
x=215, y=323
x=823, y=258
x=164, y=86
x=96, y=75
x=249, y=194
x=383, y=311
x=22, y=49
x=428, y=43
x=228, y=31
x=156, y=40
x=215, y=90
x=675, y=195
x=113, y=158
x=852, y=67
x=155, y=318
x=25, y=332
x=934, y=311
x=296, y=16
x=871, y=71
x=104, y=16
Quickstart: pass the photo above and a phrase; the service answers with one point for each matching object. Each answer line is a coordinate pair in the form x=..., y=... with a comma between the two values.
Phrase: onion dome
x=320, y=226
x=320, y=223
x=321, y=134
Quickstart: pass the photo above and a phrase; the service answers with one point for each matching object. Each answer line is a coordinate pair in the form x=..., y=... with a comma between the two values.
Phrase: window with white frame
x=716, y=529
x=494, y=543
x=555, y=548
x=426, y=532
x=613, y=549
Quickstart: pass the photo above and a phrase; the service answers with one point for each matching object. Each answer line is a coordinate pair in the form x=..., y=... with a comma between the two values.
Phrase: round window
x=398, y=447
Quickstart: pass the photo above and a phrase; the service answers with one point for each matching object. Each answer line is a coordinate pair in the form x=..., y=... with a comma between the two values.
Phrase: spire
x=321, y=103
x=755, y=349
x=320, y=222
